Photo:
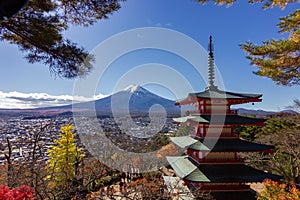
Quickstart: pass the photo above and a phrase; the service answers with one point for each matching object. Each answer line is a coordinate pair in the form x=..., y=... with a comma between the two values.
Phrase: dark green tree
x=279, y=59
x=276, y=59
x=248, y=132
x=38, y=28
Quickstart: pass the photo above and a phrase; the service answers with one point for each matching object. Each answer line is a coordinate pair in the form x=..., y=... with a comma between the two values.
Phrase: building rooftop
x=219, y=145
x=234, y=98
x=189, y=170
x=219, y=94
x=189, y=142
x=220, y=120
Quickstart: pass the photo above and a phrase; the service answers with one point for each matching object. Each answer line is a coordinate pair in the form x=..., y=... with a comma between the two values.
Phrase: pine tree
x=266, y=3
x=276, y=59
x=37, y=29
x=279, y=59
x=63, y=161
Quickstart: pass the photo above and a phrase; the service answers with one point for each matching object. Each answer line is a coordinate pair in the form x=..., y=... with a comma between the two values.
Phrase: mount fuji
x=135, y=99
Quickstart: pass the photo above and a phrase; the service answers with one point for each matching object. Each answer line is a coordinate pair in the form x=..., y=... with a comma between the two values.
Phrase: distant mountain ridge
x=133, y=99
x=263, y=113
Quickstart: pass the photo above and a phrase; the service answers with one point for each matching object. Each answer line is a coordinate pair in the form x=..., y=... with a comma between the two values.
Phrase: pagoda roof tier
x=219, y=120
x=219, y=145
x=189, y=170
x=188, y=142
x=231, y=97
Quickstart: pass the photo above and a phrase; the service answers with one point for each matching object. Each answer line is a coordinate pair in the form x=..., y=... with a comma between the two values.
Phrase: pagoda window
x=201, y=155
x=219, y=101
x=202, y=108
x=199, y=131
x=226, y=131
x=216, y=109
x=216, y=131
x=196, y=105
x=221, y=156
x=195, y=154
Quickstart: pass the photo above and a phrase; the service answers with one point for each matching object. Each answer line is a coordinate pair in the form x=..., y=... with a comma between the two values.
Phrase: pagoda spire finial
x=211, y=66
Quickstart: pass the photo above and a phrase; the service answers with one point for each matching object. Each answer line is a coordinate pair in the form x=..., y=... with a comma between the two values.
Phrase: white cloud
x=37, y=100
x=158, y=24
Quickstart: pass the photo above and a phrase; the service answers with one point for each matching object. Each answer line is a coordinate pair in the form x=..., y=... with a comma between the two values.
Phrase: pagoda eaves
x=234, y=120
x=229, y=98
x=221, y=145
x=192, y=171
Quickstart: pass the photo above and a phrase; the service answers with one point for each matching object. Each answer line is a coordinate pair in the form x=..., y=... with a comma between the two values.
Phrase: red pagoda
x=212, y=163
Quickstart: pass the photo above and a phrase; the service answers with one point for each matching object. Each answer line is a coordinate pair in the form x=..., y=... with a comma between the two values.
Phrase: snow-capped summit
x=134, y=88
x=136, y=99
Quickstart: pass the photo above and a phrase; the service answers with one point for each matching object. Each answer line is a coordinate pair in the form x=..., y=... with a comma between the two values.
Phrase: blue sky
x=229, y=26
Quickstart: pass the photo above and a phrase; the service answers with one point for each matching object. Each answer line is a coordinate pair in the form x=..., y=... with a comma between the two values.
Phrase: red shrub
x=22, y=193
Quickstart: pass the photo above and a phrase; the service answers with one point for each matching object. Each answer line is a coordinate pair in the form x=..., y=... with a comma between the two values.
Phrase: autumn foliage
x=167, y=150
x=64, y=158
x=276, y=191
x=22, y=193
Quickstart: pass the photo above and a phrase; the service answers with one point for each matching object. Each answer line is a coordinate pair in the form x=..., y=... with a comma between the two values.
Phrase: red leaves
x=22, y=193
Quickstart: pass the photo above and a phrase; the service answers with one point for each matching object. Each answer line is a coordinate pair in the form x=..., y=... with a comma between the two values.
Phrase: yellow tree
x=64, y=158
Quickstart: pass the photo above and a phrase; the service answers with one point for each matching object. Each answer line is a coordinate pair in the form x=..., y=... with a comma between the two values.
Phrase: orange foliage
x=274, y=191
x=167, y=150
